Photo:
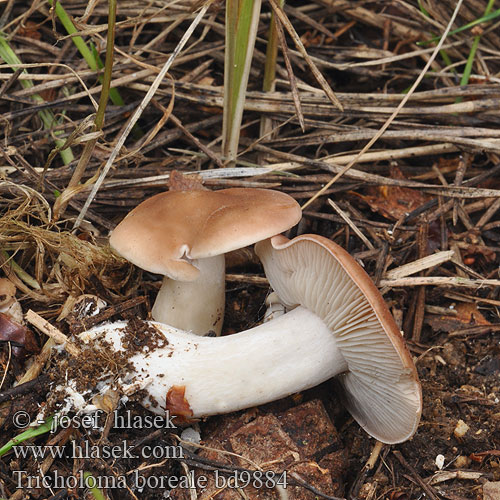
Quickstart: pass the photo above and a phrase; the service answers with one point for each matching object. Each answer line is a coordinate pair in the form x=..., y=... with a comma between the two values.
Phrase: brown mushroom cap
x=165, y=230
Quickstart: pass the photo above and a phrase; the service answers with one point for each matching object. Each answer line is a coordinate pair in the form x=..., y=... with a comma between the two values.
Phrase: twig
x=442, y=476
x=429, y=490
x=108, y=313
x=462, y=297
x=418, y=318
x=375, y=453
x=459, y=177
x=293, y=479
x=247, y=278
x=351, y=224
x=382, y=262
x=7, y=365
x=369, y=465
x=311, y=488
x=439, y=280
x=474, y=331
x=490, y=212
x=52, y=332
x=19, y=389
x=36, y=367
x=420, y=264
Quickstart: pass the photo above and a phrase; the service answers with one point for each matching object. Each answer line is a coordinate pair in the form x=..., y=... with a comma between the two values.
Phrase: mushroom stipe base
x=289, y=354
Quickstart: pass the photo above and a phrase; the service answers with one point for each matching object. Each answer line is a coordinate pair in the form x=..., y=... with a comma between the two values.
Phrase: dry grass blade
x=440, y=280
x=291, y=76
x=300, y=46
x=138, y=112
x=396, y=111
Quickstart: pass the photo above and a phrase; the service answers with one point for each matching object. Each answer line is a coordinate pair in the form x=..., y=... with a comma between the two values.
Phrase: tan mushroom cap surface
x=381, y=387
x=166, y=229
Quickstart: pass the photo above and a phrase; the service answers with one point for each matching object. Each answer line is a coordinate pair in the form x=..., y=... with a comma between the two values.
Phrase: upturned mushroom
x=339, y=326
x=184, y=235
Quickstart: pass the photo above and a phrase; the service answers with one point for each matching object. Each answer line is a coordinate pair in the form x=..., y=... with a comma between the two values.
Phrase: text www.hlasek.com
x=88, y=450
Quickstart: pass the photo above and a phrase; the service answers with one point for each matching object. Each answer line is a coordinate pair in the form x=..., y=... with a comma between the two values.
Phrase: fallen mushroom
x=339, y=326
x=380, y=387
x=183, y=235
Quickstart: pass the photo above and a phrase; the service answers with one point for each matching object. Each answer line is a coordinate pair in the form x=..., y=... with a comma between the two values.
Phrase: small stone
x=491, y=490
x=440, y=461
x=460, y=429
x=191, y=436
x=461, y=462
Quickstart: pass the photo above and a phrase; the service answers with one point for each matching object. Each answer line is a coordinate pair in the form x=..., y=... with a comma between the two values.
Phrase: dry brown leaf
x=393, y=202
x=22, y=337
x=467, y=315
x=180, y=182
x=30, y=30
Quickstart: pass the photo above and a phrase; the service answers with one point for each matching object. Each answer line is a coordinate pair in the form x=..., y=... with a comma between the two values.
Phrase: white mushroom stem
x=196, y=306
x=275, y=307
x=289, y=354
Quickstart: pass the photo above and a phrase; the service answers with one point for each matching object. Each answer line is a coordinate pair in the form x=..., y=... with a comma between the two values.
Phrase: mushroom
x=183, y=235
x=380, y=386
x=339, y=326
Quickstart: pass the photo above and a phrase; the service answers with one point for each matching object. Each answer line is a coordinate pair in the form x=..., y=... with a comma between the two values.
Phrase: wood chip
x=419, y=265
x=51, y=331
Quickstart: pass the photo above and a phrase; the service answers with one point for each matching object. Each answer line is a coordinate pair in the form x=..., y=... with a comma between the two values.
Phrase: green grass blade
x=46, y=115
x=61, y=202
x=28, y=434
x=482, y=19
x=242, y=17
x=472, y=54
x=475, y=44
x=91, y=481
x=423, y=9
x=77, y=40
x=88, y=53
x=446, y=59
